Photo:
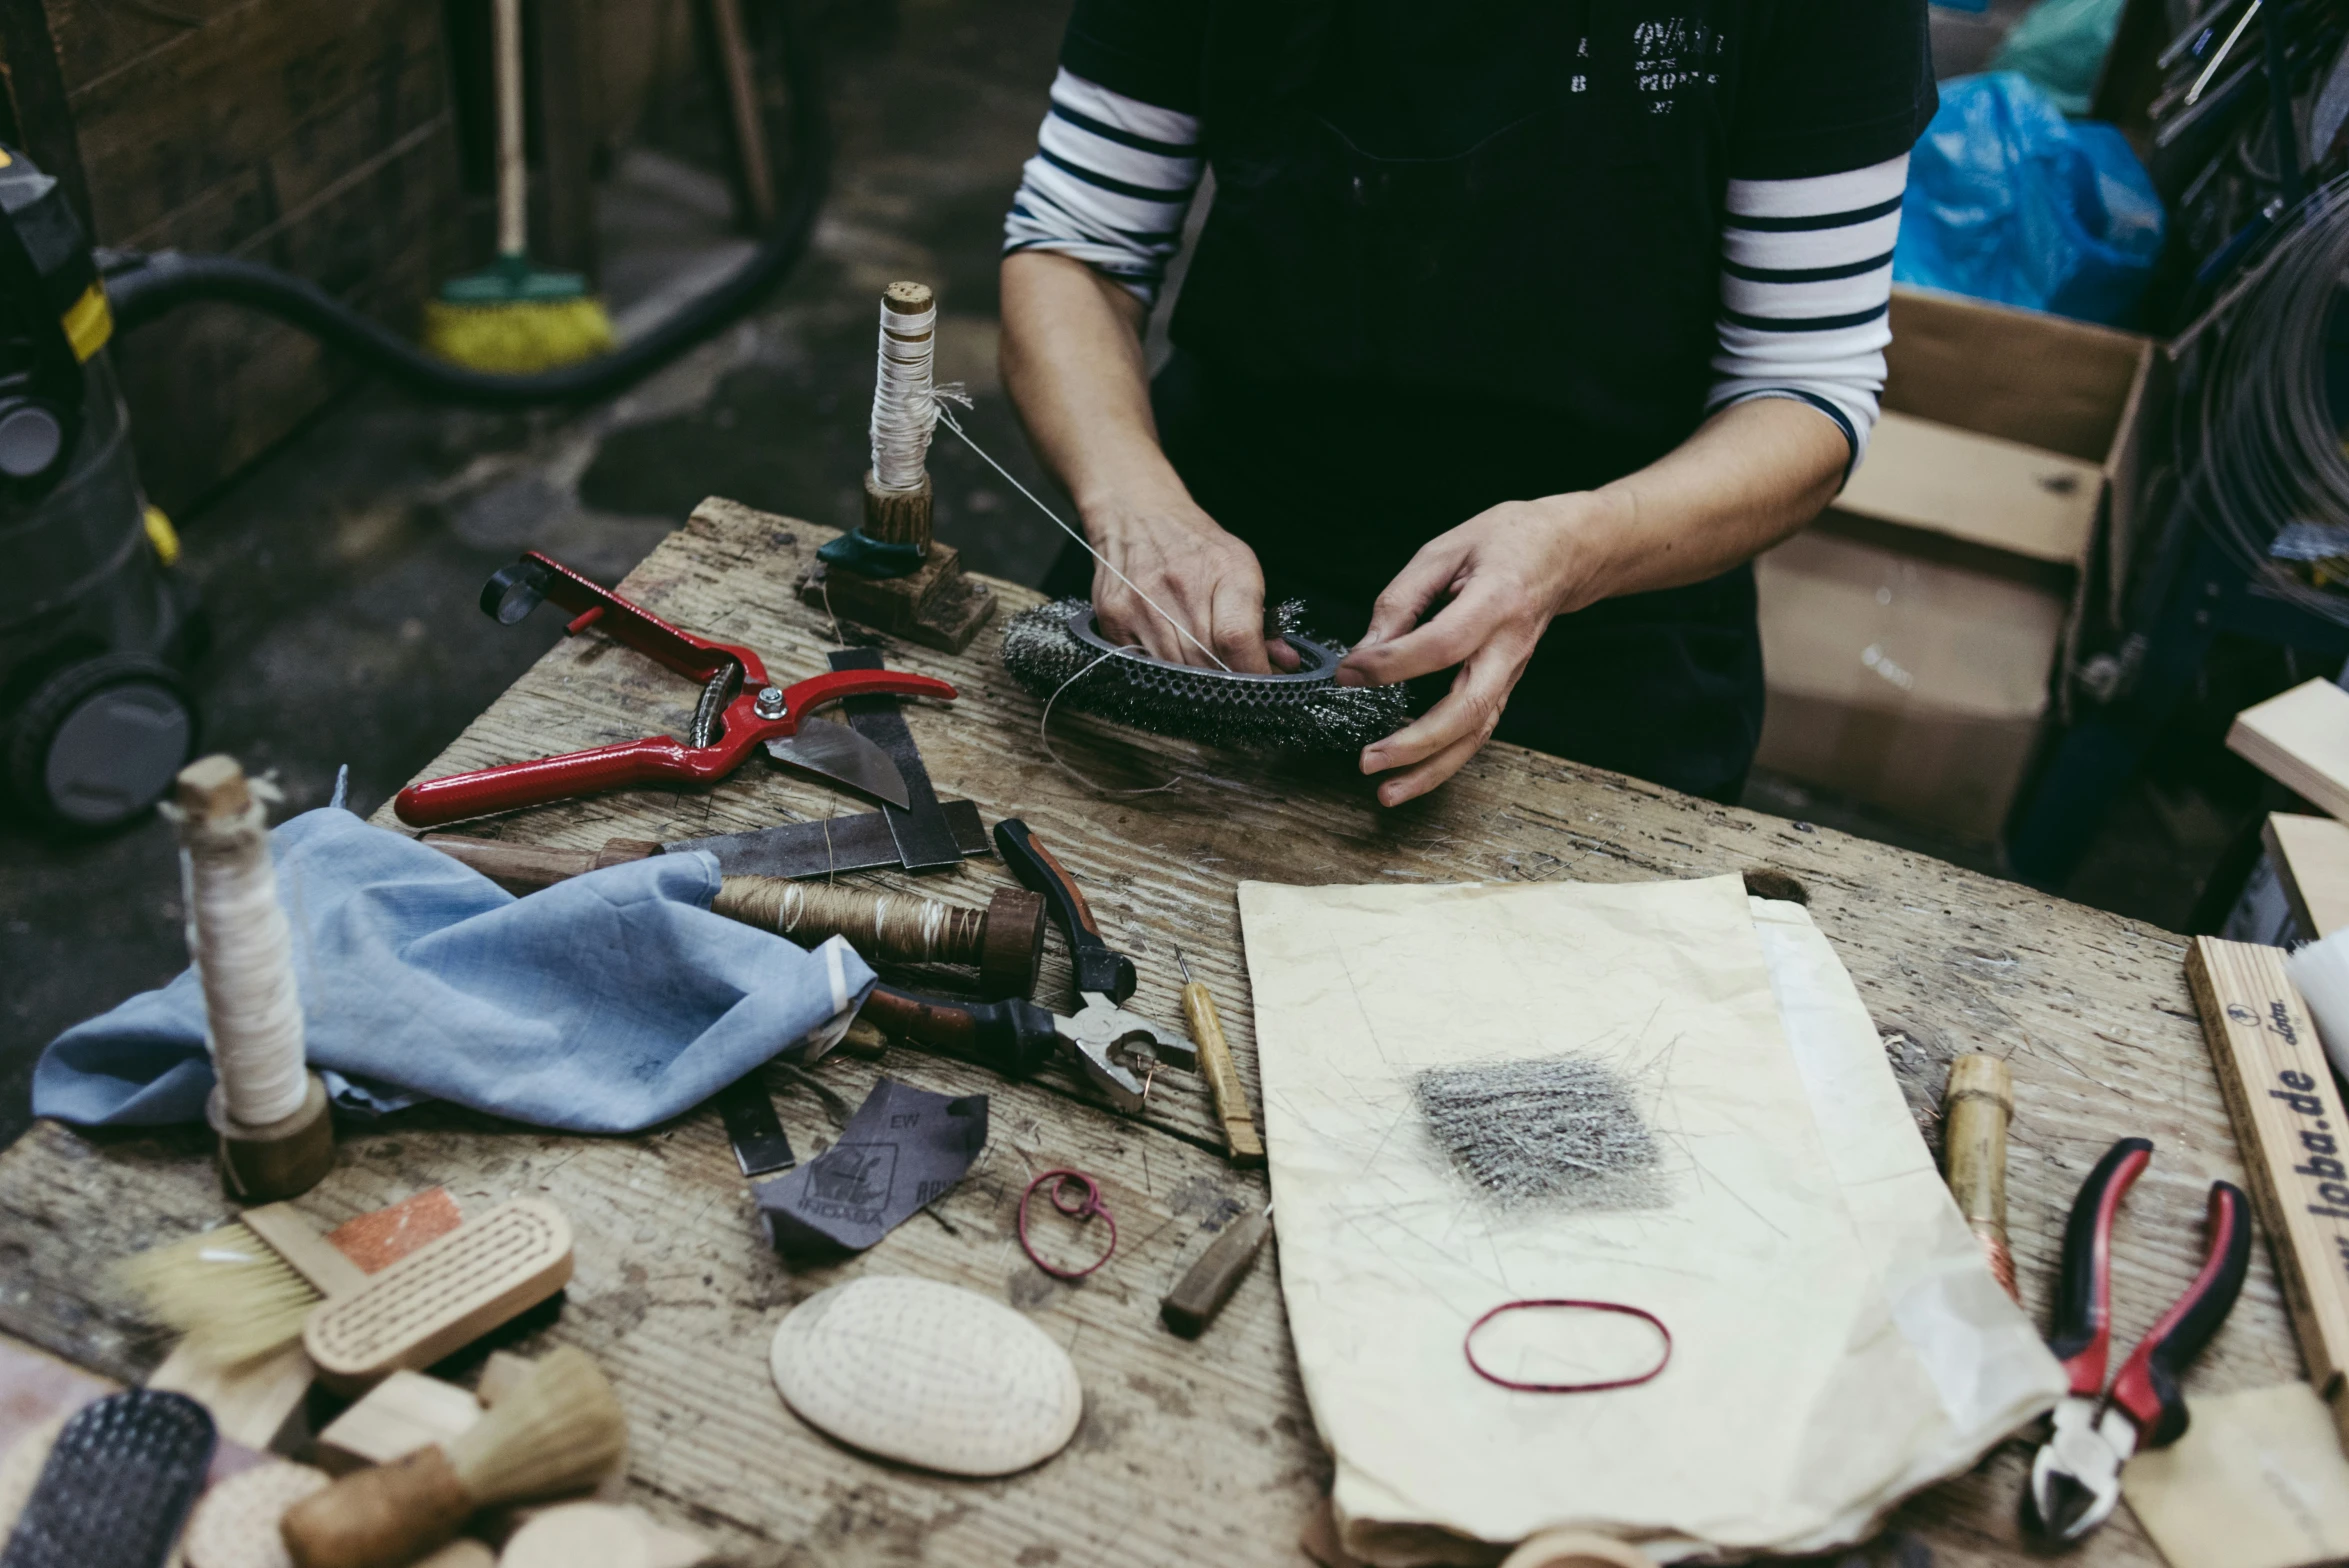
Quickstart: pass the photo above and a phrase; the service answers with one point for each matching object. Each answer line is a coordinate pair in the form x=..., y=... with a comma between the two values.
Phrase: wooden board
x=2288, y=1114
x=2311, y=857
x=1190, y=1452
x=2301, y=740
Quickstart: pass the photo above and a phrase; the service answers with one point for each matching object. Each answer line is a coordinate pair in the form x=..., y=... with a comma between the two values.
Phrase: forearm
x=1749, y=477
x=1071, y=358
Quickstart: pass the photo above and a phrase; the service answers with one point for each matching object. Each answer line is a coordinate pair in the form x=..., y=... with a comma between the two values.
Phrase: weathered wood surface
x=1190, y=1452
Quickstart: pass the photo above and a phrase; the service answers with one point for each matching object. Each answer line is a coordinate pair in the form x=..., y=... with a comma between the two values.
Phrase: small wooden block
x=2301, y=740
x=936, y=606
x=260, y=1404
x=2311, y=857
x=401, y=1414
x=2291, y=1124
x=501, y=1374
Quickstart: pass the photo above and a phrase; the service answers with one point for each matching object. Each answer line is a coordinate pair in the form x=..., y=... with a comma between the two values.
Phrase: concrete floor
x=341, y=572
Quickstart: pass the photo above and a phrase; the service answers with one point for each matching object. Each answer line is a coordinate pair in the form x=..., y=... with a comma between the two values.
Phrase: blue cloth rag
x=603, y=1004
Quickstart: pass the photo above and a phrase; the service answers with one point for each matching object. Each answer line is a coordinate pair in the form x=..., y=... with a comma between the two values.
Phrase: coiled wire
x=2259, y=446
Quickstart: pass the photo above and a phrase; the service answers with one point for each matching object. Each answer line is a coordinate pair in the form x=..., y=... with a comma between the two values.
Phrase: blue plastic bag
x=2009, y=201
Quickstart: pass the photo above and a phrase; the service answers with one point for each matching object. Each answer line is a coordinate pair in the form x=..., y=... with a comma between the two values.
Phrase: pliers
x=740, y=709
x=1102, y=1037
x=2076, y=1478
x=1102, y=1041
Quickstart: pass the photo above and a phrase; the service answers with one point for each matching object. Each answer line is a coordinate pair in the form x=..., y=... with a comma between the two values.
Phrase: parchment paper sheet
x=1798, y=1405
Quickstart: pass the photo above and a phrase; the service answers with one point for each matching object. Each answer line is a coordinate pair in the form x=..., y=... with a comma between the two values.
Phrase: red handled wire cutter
x=740, y=709
x=2076, y=1478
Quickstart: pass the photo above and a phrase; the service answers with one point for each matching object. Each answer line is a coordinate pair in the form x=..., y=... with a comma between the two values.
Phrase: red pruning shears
x=2076, y=1479
x=739, y=710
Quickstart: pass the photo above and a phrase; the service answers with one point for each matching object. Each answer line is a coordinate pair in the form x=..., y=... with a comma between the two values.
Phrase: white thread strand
x=941, y=416
x=1044, y=739
x=905, y=403
x=242, y=948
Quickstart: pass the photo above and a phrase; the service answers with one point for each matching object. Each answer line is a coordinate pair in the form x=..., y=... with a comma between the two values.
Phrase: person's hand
x=1199, y=574
x=1507, y=573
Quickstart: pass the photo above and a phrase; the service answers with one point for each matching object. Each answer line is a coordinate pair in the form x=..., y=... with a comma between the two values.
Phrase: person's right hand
x=1199, y=574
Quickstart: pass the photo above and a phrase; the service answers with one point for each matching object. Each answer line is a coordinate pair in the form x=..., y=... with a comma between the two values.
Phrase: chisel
x=1208, y=1283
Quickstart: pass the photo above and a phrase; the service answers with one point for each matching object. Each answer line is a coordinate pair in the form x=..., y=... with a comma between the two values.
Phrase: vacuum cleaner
x=95, y=714
x=96, y=632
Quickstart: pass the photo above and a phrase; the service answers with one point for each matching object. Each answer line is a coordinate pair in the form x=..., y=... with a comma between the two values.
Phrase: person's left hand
x=1507, y=573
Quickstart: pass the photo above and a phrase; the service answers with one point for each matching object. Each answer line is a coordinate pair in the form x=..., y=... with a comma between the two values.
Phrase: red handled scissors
x=740, y=709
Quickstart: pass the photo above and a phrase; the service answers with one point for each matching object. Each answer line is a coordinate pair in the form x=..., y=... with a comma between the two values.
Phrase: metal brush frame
x=1318, y=666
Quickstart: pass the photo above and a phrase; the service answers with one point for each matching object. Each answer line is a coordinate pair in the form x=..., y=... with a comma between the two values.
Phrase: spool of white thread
x=905, y=401
x=240, y=943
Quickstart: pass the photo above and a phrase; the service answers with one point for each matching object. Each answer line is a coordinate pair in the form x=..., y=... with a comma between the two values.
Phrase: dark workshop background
x=338, y=532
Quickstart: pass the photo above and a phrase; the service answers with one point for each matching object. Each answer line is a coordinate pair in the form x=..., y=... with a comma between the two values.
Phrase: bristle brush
x=561, y=1430
x=241, y=1290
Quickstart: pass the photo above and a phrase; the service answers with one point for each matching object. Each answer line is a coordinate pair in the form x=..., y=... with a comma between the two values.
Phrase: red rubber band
x=1468, y=1346
x=1087, y=1205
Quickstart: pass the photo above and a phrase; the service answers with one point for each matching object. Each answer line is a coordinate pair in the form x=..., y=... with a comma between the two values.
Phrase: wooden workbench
x=1190, y=1453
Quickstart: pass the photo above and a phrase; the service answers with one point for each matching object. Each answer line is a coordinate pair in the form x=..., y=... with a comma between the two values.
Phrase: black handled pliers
x=2076, y=1478
x=1015, y=1037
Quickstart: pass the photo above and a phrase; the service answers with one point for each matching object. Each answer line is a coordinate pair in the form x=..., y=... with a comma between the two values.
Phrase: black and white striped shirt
x=1806, y=270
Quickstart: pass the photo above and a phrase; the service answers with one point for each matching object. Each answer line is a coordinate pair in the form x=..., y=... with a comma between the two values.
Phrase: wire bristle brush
x=560, y=1431
x=1055, y=648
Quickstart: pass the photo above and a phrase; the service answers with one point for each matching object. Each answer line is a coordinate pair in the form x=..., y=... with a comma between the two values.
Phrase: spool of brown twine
x=1005, y=941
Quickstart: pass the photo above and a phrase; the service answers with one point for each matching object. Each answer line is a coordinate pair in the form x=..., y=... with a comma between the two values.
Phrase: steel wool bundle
x=1562, y=1132
x=1056, y=646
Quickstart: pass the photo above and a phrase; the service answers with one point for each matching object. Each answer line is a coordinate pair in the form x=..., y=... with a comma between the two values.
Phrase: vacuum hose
x=142, y=287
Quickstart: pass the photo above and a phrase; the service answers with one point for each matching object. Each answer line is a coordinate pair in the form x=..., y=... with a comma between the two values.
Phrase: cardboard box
x=1910, y=636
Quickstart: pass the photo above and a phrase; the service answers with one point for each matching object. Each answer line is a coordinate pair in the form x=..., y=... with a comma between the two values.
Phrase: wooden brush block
x=234, y=1525
x=401, y=1414
x=442, y=1297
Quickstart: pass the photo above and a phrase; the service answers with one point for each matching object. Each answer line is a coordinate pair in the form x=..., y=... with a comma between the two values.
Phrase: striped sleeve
x=1110, y=182
x=1806, y=292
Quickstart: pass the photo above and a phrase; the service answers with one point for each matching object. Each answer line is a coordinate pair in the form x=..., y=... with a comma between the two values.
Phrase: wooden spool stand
x=934, y=604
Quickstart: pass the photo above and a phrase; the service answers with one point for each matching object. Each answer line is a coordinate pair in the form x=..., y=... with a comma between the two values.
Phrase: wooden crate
x=313, y=136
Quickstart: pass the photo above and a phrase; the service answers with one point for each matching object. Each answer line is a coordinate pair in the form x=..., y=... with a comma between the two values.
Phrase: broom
x=512, y=318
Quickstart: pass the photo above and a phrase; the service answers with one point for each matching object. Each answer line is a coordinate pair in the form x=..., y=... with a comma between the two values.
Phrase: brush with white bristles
x=560, y=1430
x=242, y=1290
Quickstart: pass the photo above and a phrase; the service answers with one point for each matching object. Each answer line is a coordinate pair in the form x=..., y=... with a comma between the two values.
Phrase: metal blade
x=843, y=756
x=812, y=849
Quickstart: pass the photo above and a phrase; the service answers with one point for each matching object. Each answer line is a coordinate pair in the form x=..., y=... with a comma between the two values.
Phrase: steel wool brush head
x=1051, y=646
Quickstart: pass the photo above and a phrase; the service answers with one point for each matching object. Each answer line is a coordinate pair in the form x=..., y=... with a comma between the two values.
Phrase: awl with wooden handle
x=1240, y=1141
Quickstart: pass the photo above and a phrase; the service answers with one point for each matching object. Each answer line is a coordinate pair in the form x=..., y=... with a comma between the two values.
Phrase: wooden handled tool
x=1975, y=1110
x=1209, y=1282
x=1240, y=1142
x=1004, y=941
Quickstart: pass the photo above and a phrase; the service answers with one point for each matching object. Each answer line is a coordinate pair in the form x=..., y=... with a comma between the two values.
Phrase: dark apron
x=1372, y=349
